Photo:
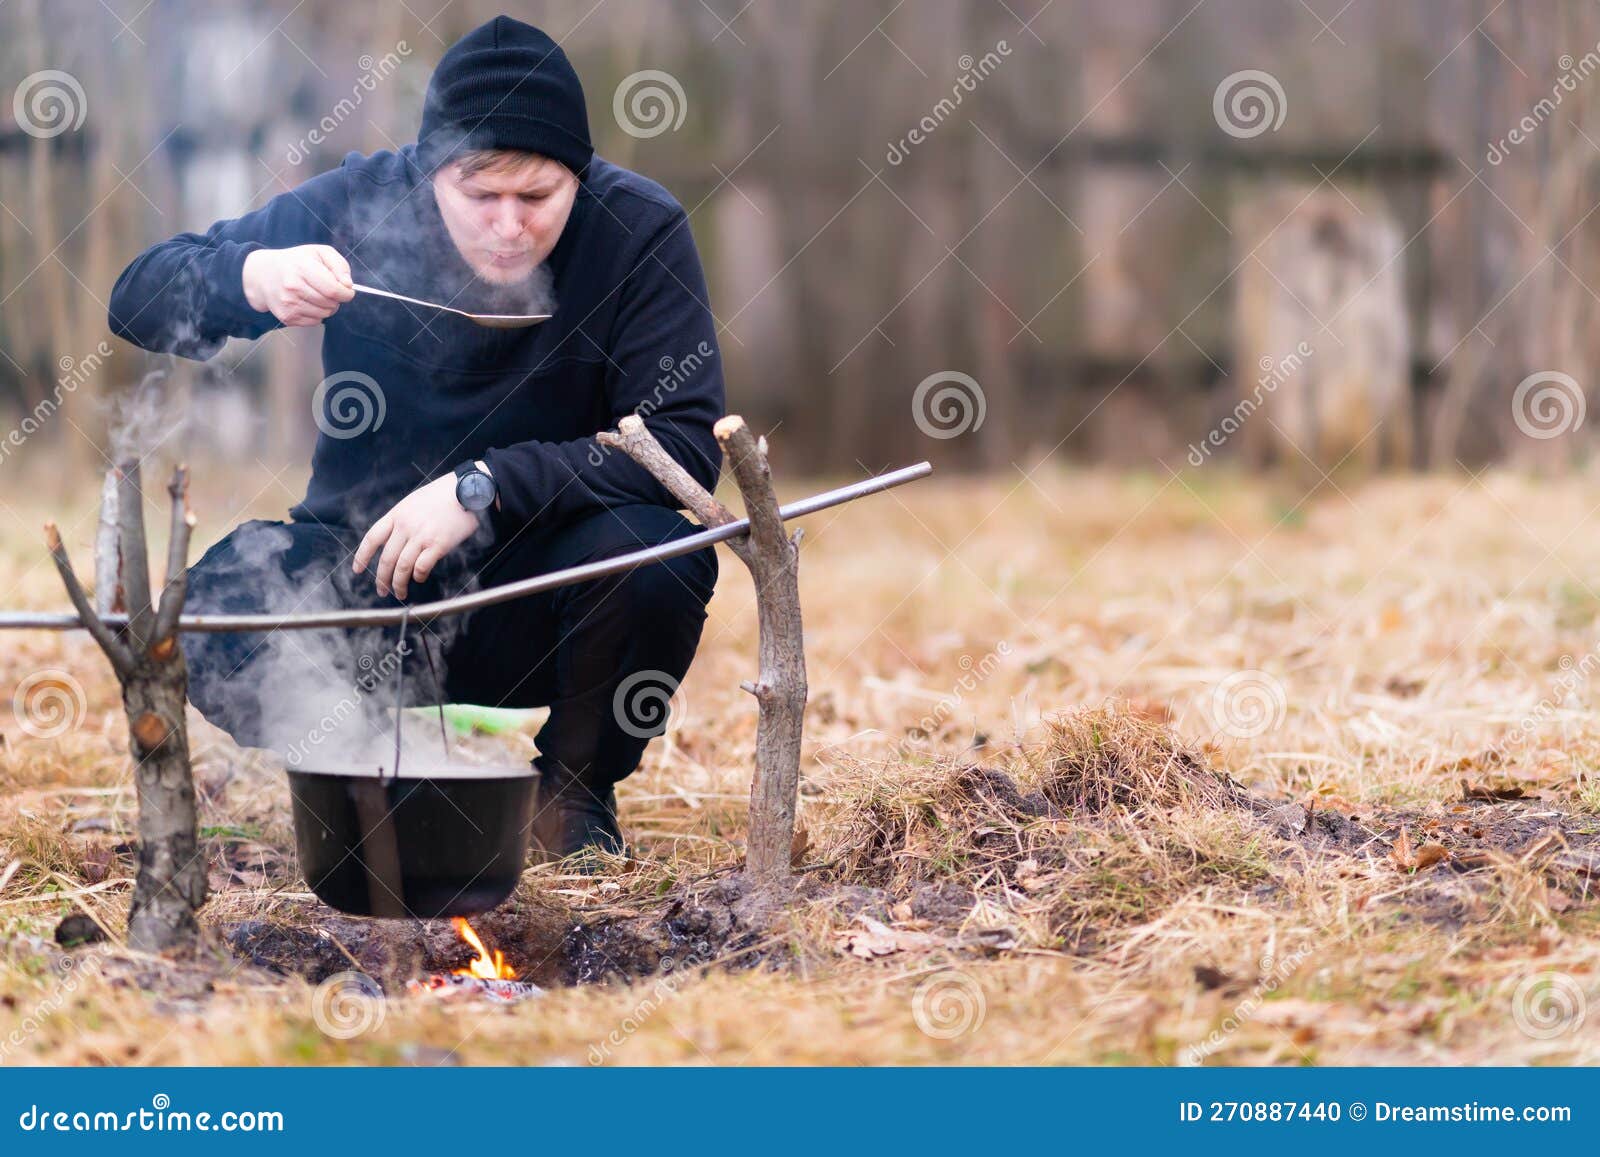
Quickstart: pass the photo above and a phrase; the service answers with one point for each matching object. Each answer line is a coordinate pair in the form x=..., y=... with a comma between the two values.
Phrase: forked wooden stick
x=780, y=685
x=149, y=664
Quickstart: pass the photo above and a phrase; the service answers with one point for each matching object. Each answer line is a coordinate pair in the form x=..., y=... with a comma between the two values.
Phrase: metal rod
x=427, y=612
x=438, y=691
x=399, y=694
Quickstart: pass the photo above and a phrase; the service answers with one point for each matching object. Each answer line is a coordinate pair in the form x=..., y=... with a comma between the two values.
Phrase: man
x=452, y=456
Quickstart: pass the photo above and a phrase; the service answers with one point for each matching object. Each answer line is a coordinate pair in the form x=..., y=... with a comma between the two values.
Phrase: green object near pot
x=466, y=718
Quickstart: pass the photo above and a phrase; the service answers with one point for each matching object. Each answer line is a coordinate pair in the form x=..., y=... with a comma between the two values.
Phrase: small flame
x=483, y=966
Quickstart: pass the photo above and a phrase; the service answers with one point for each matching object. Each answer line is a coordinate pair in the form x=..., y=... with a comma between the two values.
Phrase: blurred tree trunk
x=104, y=158
x=22, y=336
x=785, y=62
x=47, y=283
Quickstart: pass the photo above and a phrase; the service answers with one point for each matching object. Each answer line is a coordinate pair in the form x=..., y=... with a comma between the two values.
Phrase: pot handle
x=400, y=687
x=399, y=692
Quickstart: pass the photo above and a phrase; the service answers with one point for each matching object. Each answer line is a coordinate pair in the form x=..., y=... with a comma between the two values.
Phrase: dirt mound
x=1075, y=844
x=314, y=942
x=1113, y=757
x=900, y=827
x=1106, y=823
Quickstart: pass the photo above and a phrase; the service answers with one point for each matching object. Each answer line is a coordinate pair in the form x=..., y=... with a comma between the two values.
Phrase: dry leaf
x=251, y=878
x=1490, y=794
x=1028, y=877
x=799, y=846
x=1546, y=845
x=1400, y=855
x=1584, y=863
x=1430, y=854
x=97, y=862
x=1289, y=819
x=875, y=938
x=252, y=864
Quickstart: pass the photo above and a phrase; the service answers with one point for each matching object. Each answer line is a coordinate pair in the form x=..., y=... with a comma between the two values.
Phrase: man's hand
x=298, y=286
x=422, y=528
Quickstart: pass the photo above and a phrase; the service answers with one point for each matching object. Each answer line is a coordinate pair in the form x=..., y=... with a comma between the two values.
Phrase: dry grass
x=1041, y=808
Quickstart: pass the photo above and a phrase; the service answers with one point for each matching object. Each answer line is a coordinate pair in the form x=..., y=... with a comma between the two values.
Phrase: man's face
x=505, y=220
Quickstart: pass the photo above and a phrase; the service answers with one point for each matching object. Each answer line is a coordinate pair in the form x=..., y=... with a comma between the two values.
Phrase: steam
x=323, y=698
x=402, y=243
x=139, y=419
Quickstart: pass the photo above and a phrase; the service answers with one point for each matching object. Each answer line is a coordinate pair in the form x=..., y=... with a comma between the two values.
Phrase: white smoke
x=326, y=697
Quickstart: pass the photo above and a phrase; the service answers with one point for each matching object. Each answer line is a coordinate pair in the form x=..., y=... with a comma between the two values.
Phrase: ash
x=444, y=986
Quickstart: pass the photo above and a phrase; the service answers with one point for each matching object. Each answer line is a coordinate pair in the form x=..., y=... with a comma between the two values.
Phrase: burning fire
x=483, y=966
x=488, y=977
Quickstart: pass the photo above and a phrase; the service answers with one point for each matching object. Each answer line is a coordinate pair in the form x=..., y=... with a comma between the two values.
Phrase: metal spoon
x=489, y=320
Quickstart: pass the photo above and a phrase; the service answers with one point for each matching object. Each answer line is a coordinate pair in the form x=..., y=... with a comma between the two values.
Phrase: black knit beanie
x=505, y=85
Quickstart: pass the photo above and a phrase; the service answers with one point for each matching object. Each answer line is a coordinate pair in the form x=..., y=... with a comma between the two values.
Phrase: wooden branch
x=635, y=440
x=171, y=882
x=121, y=657
x=780, y=686
x=176, y=586
x=135, y=556
x=108, y=552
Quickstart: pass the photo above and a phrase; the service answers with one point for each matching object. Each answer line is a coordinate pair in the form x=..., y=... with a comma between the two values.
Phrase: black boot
x=572, y=816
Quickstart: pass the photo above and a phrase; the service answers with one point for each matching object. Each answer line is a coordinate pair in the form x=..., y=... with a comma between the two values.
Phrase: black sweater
x=632, y=332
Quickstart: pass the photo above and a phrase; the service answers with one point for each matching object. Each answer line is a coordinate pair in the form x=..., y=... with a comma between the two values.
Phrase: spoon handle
x=401, y=297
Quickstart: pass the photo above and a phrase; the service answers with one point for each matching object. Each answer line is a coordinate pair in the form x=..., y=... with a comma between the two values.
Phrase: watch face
x=475, y=491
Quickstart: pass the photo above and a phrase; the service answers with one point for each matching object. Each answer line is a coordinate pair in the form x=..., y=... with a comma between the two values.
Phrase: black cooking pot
x=423, y=843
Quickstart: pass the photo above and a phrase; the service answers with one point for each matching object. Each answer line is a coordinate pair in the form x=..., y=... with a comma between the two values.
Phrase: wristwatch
x=475, y=488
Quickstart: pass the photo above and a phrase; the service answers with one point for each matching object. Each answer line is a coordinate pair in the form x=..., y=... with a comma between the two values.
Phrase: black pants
x=604, y=656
